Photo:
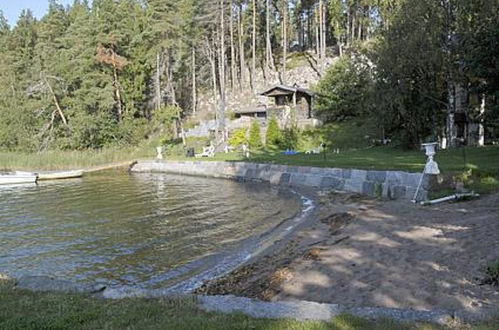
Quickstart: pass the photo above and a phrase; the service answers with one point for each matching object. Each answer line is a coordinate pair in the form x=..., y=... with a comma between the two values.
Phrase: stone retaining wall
x=389, y=184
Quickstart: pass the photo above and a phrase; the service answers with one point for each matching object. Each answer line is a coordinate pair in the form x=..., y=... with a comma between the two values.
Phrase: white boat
x=58, y=175
x=18, y=177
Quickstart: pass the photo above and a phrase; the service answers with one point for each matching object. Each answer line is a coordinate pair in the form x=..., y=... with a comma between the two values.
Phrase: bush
x=231, y=115
x=238, y=138
x=290, y=138
x=344, y=91
x=255, y=138
x=273, y=134
x=492, y=273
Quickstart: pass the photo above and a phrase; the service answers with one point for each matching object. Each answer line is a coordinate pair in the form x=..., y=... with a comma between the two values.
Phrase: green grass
x=378, y=158
x=27, y=310
x=483, y=162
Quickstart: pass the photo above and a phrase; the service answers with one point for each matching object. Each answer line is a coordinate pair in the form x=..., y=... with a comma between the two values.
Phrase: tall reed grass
x=63, y=160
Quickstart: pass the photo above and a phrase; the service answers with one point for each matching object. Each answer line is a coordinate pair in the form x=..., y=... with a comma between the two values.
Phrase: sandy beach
x=365, y=252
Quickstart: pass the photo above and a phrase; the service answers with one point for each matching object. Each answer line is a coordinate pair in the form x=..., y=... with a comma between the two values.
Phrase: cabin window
x=280, y=100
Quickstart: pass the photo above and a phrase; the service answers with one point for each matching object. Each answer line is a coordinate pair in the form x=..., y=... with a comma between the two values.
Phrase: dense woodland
x=116, y=72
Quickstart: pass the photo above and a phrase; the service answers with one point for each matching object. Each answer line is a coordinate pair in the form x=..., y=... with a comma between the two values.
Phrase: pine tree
x=255, y=138
x=273, y=134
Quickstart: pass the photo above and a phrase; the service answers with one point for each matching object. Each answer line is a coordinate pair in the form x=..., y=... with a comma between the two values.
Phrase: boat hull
x=60, y=175
x=8, y=179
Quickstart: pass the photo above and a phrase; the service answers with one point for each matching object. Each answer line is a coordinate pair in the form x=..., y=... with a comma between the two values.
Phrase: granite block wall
x=389, y=184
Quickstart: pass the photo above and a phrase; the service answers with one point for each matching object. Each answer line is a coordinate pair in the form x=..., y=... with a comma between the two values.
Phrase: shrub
x=344, y=91
x=290, y=138
x=492, y=273
x=255, y=138
x=238, y=138
x=273, y=134
x=231, y=115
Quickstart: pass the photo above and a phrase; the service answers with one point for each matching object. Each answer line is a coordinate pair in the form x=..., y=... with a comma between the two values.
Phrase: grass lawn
x=484, y=162
x=380, y=158
x=26, y=310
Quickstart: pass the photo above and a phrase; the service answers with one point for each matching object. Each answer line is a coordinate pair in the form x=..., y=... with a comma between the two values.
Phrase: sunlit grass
x=484, y=162
x=380, y=158
x=27, y=310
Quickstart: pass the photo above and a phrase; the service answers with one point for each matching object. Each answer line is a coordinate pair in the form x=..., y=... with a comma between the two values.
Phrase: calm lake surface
x=132, y=230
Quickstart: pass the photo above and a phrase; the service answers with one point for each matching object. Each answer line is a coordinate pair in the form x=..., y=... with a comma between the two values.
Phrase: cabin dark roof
x=278, y=90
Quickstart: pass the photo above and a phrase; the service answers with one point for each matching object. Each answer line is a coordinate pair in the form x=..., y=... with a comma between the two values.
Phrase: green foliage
x=345, y=90
x=81, y=77
x=346, y=135
x=406, y=77
x=165, y=115
x=465, y=177
x=290, y=138
x=255, y=138
x=273, y=135
x=492, y=273
x=231, y=115
x=239, y=137
x=475, y=179
x=84, y=75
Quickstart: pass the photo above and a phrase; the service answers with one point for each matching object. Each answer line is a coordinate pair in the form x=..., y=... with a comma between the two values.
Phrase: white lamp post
x=159, y=150
x=431, y=166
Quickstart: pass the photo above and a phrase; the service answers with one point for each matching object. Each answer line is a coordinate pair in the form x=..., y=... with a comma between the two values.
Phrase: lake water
x=145, y=230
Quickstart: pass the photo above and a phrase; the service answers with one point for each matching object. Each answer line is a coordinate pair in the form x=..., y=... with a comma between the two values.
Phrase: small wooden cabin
x=301, y=99
x=252, y=111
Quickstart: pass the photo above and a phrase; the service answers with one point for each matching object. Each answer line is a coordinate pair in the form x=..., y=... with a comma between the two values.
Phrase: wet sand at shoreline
x=364, y=252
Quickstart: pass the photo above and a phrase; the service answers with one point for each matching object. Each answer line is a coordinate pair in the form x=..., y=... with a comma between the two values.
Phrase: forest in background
x=88, y=76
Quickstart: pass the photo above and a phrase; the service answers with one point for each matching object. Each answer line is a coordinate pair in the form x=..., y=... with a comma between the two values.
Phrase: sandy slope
x=382, y=253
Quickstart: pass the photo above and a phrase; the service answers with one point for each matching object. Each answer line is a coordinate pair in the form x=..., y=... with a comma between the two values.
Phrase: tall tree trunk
x=242, y=62
x=457, y=92
x=321, y=32
x=284, y=40
x=323, y=37
x=309, y=31
x=317, y=31
x=232, y=48
x=221, y=109
x=179, y=127
x=354, y=23
x=359, y=27
x=194, y=84
x=451, y=125
x=213, y=64
x=117, y=93
x=349, y=22
x=56, y=101
x=481, y=128
x=268, y=53
x=253, y=48
x=302, y=33
x=158, y=81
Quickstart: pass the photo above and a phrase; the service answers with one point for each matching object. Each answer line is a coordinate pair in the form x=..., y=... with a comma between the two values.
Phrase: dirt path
x=361, y=252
